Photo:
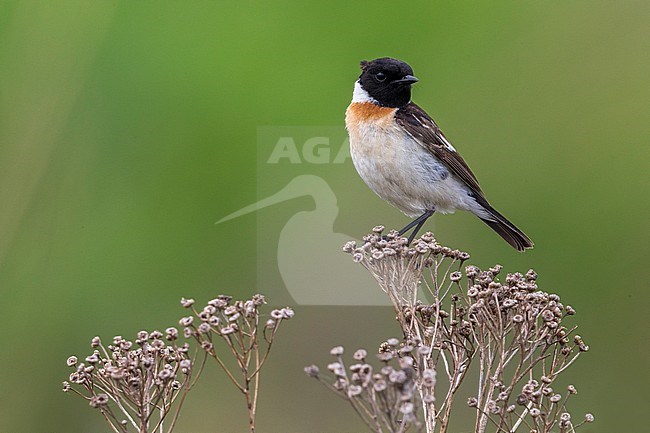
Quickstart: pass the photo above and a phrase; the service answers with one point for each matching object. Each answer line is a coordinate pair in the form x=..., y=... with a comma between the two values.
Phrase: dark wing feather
x=423, y=128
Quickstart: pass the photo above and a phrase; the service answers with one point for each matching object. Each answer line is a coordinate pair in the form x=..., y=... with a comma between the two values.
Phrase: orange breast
x=362, y=112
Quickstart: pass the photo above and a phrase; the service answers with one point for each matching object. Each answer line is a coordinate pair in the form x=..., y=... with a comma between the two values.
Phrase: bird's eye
x=380, y=76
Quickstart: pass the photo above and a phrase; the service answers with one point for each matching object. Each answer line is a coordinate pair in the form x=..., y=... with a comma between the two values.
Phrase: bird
x=402, y=155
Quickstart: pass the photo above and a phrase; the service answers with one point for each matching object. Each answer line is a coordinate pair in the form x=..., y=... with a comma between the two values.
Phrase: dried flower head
x=112, y=380
x=187, y=303
x=384, y=396
x=515, y=334
x=312, y=370
x=360, y=354
x=238, y=335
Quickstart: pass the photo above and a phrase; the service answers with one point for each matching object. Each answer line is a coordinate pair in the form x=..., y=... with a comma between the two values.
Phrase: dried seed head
x=392, y=342
x=187, y=303
x=397, y=376
x=165, y=375
x=99, y=400
x=407, y=408
x=258, y=299
x=186, y=321
x=385, y=356
x=312, y=370
x=488, y=305
x=531, y=275
x=528, y=388
x=406, y=362
x=171, y=333
x=548, y=315
x=349, y=246
x=336, y=368
x=227, y=330
x=472, y=271
x=185, y=366
x=207, y=346
x=354, y=390
x=429, y=378
x=207, y=312
x=219, y=302
x=287, y=313
x=360, y=354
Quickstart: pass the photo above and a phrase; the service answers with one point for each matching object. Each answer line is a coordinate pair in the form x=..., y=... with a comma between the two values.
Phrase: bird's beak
x=406, y=81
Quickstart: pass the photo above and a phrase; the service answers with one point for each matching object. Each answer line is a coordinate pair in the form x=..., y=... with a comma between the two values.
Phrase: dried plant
x=236, y=325
x=513, y=331
x=135, y=386
x=385, y=398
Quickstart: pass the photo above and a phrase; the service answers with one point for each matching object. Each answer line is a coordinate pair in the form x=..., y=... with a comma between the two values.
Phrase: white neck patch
x=360, y=95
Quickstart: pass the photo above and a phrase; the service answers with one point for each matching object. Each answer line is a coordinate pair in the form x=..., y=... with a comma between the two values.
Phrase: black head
x=388, y=81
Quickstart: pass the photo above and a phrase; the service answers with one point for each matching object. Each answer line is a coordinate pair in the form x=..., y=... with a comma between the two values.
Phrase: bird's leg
x=411, y=224
x=418, y=223
x=417, y=228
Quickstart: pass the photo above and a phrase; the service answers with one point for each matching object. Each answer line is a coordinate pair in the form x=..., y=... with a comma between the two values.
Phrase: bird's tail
x=507, y=230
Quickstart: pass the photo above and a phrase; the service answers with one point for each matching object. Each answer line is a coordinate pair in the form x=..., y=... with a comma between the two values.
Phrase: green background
x=128, y=128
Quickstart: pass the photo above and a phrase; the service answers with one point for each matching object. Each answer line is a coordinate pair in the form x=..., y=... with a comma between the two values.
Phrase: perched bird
x=402, y=155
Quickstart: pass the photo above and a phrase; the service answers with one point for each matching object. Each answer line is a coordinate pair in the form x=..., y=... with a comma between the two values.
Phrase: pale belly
x=402, y=172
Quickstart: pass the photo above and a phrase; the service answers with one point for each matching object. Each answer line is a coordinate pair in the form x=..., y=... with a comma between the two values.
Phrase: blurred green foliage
x=128, y=128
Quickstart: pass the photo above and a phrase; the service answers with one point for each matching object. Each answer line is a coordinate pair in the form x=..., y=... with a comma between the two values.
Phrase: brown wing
x=422, y=128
